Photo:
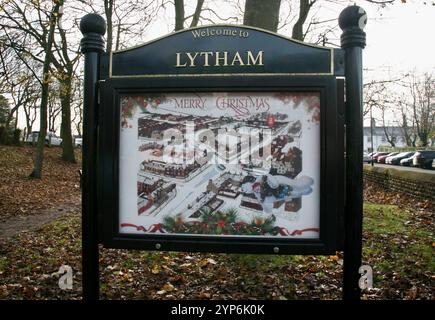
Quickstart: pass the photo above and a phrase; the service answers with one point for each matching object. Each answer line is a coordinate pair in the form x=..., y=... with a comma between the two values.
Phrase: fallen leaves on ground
x=21, y=195
x=375, y=194
x=398, y=244
x=30, y=261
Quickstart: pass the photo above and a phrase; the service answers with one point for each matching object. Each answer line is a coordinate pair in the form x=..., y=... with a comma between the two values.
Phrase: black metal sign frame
x=100, y=129
x=330, y=177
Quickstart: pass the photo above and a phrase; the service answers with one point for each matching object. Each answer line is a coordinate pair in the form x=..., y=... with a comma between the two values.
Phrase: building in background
x=381, y=136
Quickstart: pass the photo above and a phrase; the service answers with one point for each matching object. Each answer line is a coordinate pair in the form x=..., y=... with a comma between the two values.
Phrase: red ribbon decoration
x=153, y=228
x=158, y=228
x=285, y=232
x=299, y=232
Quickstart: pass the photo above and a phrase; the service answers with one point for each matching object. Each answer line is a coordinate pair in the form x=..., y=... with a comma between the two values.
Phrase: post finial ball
x=93, y=23
x=352, y=17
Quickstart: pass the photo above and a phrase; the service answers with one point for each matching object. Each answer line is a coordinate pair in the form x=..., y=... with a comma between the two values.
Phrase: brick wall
x=418, y=184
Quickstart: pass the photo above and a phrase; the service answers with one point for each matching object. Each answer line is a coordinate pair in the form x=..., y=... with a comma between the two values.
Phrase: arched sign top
x=222, y=50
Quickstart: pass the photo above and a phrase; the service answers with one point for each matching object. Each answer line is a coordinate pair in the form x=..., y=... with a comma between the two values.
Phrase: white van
x=50, y=139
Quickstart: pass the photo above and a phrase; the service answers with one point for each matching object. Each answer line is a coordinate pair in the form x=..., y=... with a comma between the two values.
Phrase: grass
x=400, y=250
x=384, y=219
x=379, y=219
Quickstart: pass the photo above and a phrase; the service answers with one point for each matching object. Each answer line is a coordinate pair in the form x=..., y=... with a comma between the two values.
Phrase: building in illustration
x=153, y=193
x=242, y=141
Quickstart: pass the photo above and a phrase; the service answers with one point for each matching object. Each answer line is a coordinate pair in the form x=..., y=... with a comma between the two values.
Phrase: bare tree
x=179, y=14
x=108, y=11
x=180, y=18
x=268, y=15
x=304, y=8
x=197, y=13
x=403, y=115
x=30, y=112
x=262, y=14
x=381, y=95
x=33, y=22
x=29, y=20
x=17, y=82
x=304, y=18
x=125, y=20
x=65, y=61
x=54, y=109
x=407, y=124
x=410, y=99
x=378, y=94
x=39, y=156
x=389, y=132
x=422, y=103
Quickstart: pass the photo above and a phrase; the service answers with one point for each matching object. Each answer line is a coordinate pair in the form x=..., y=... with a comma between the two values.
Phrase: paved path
x=402, y=168
x=18, y=224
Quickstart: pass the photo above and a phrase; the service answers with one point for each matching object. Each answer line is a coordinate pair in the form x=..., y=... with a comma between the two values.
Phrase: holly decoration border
x=219, y=223
x=130, y=104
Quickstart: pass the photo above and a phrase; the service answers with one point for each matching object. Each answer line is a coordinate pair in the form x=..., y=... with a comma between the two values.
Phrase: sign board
x=223, y=139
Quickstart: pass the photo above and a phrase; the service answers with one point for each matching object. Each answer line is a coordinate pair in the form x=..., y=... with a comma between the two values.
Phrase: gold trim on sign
x=332, y=61
x=223, y=25
x=218, y=75
x=331, y=53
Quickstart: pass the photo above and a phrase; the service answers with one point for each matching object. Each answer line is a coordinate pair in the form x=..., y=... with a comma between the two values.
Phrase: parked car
x=423, y=159
x=388, y=159
x=396, y=159
x=381, y=159
x=367, y=157
x=378, y=154
x=407, y=161
x=433, y=164
x=78, y=142
x=50, y=138
x=221, y=167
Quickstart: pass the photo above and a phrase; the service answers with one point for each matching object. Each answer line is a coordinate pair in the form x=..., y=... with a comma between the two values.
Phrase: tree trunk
x=424, y=139
x=197, y=13
x=79, y=123
x=66, y=135
x=262, y=14
x=29, y=122
x=405, y=130
x=422, y=93
x=304, y=9
x=39, y=155
x=51, y=113
x=16, y=119
x=118, y=36
x=179, y=15
x=108, y=10
x=4, y=135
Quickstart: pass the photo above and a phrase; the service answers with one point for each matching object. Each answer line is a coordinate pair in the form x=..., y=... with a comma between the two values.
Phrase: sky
x=400, y=39
x=400, y=36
